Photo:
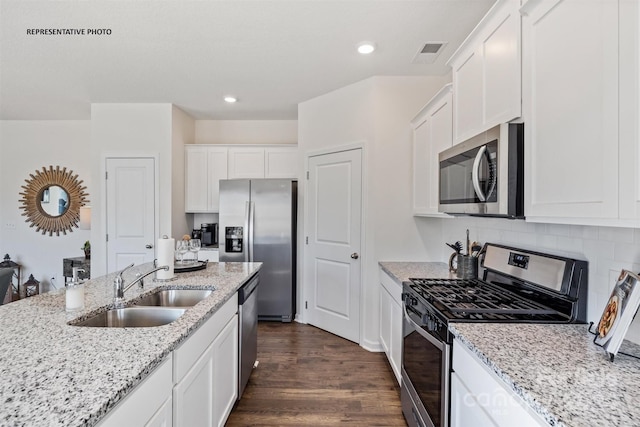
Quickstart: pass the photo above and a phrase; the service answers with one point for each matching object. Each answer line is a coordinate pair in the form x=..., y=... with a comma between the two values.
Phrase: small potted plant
x=87, y=249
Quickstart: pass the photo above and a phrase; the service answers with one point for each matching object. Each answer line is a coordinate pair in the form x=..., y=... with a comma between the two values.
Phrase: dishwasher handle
x=248, y=289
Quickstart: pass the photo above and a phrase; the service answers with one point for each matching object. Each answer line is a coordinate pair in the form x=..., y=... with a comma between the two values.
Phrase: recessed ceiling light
x=366, y=48
x=230, y=99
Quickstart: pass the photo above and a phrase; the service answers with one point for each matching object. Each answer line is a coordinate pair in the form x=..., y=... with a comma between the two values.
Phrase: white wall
x=130, y=130
x=608, y=250
x=183, y=132
x=246, y=131
x=27, y=146
x=375, y=113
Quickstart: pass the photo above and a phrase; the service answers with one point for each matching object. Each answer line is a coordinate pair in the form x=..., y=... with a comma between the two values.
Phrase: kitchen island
x=54, y=374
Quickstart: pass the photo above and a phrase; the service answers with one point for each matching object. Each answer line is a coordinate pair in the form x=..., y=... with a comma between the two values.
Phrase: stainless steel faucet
x=118, y=283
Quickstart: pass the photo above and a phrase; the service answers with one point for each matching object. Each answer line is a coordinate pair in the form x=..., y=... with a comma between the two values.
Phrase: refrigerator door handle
x=247, y=225
x=250, y=211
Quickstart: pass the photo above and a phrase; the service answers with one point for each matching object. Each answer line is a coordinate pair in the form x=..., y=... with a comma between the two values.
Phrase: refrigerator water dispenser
x=233, y=241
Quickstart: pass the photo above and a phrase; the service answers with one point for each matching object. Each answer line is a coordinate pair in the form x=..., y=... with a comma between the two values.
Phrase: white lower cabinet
x=164, y=416
x=479, y=398
x=205, y=396
x=149, y=404
x=391, y=321
x=205, y=371
x=196, y=386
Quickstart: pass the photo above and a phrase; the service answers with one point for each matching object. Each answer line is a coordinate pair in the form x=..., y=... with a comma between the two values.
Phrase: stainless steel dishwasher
x=248, y=331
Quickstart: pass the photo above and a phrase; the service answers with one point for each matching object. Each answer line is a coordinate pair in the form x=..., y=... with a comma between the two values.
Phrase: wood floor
x=309, y=377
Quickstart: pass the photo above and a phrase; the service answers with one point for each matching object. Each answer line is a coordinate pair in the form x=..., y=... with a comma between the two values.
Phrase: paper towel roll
x=166, y=247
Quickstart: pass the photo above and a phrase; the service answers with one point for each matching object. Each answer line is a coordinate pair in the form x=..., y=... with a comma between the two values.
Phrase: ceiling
x=270, y=54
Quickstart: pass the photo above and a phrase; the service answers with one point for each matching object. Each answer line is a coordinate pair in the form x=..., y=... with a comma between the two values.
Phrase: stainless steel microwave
x=484, y=175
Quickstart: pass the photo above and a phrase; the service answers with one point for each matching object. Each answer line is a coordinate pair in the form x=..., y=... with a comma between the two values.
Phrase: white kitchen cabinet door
x=225, y=372
x=246, y=162
x=217, y=170
x=502, y=68
x=206, y=394
x=420, y=169
x=164, y=416
x=385, y=321
x=433, y=133
x=487, y=73
x=468, y=95
x=480, y=398
x=205, y=166
x=281, y=162
x=630, y=112
x=146, y=404
x=465, y=411
x=193, y=395
x=570, y=106
x=196, y=179
x=391, y=322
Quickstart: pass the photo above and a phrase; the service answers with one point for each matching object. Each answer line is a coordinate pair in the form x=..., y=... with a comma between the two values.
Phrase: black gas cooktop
x=460, y=299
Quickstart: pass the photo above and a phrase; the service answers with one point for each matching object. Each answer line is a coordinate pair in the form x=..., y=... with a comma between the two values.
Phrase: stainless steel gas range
x=517, y=286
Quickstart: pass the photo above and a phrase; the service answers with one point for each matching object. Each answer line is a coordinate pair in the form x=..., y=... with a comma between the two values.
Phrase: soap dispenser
x=75, y=292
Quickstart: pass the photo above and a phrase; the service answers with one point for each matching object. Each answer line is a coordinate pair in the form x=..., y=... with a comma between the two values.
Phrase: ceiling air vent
x=428, y=53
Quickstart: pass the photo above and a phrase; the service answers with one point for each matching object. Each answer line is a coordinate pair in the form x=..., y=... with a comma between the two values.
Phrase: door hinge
x=107, y=237
x=306, y=306
x=306, y=240
x=106, y=175
x=307, y=175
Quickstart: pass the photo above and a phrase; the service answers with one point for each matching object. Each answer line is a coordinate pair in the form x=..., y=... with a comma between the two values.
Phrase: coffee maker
x=209, y=234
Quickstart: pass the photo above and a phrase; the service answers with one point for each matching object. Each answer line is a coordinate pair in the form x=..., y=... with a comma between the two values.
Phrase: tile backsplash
x=607, y=249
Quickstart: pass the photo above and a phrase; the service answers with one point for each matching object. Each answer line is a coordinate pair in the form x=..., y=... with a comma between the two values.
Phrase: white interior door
x=332, y=260
x=130, y=211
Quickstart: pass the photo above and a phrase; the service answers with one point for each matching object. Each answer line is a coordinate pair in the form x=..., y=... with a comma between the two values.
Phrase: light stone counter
x=402, y=271
x=54, y=374
x=559, y=371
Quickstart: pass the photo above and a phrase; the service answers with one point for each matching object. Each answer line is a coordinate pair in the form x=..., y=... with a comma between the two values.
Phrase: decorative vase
x=87, y=254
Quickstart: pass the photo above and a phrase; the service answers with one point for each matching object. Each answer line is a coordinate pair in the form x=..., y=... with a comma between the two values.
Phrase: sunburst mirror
x=51, y=200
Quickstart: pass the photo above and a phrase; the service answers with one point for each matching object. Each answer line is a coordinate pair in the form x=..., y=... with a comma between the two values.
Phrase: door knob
x=355, y=255
x=149, y=246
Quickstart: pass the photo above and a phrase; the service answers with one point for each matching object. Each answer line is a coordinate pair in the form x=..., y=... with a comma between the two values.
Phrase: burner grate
x=475, y=299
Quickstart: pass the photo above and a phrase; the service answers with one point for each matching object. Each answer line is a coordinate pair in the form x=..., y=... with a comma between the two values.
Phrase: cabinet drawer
x=394, y=289
x=188, y=353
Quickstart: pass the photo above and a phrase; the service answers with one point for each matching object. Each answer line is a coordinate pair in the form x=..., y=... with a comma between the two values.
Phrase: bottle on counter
x=74, y=295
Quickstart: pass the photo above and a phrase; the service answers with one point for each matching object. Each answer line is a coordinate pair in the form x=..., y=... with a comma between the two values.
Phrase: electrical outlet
x=10, y=225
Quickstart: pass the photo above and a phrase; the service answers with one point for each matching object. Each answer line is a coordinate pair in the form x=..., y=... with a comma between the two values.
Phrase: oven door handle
x=475, y=174
x=435, y=342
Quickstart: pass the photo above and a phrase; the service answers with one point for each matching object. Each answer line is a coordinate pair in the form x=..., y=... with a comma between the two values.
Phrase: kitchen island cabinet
x=84, y=375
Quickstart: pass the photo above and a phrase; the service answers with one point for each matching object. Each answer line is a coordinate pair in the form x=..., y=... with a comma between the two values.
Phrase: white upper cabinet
x=432, y=133
x=205, y=166
x=487, y=73
x=581, y=156
x=629, y=121
x=246, y=162
x=281, y=162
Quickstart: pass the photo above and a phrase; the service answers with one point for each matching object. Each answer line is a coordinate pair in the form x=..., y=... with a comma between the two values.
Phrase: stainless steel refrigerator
x=257, y=223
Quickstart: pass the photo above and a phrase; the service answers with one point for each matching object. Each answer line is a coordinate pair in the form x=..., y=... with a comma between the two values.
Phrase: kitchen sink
x=133, y=317
x=175, y=297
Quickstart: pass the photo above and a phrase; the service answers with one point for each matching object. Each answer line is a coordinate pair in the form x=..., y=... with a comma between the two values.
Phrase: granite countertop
x=402, y=271
x=557, y=369
x=559, y=372
x=54, y=374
